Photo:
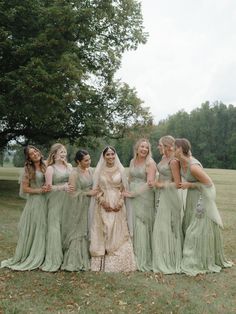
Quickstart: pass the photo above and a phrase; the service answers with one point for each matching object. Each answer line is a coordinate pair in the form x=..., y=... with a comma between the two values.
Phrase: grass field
x=9, y=173
x=86, y=292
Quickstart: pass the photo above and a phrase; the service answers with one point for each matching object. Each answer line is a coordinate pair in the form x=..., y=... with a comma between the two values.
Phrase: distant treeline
x=211, y=130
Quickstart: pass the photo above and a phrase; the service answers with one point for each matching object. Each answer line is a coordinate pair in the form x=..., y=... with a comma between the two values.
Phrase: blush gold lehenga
x=111, y=247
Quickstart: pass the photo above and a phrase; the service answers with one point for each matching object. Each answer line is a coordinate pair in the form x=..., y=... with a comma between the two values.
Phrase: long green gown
x=75, y=223
x=56, y=199
x=167, y=232
x=191, y=198
x=143, y=206
x=30, y=249
x=203, y=245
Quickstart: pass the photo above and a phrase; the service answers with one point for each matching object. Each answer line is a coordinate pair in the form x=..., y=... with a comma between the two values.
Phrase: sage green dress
x=191, y=198
x=30, y=249
x=56, y=199
x=203, y=245
x=167, y=231
x=143, y=206
x=75, y=223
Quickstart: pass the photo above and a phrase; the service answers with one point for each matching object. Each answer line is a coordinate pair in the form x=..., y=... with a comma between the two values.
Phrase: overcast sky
x=190, y=55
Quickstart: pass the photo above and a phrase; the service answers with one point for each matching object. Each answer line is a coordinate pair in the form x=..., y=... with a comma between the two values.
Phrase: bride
x=111, y=247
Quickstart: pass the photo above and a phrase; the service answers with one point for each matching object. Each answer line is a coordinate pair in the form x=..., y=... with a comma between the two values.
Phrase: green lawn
x=86, y=292
x=9, y=173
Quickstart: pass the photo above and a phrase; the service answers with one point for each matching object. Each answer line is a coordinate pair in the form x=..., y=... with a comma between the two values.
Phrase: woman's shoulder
x=131, y=163
x=174, y=161
x=74, y=170
x=150, y=162
x=132, y=160
x=50, y=168
x=193, y=161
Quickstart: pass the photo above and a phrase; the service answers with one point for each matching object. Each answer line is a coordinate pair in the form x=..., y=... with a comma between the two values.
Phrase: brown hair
x=106, y=149
x=184, y=144
x=29, y=165
x=79, y=156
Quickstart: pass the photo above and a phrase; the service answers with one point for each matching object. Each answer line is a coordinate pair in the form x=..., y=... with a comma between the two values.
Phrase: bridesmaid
x=30, y=249
x=167, y=233
x=75, y=215
x=142, y=170
x=57, y=175
x=203, y=246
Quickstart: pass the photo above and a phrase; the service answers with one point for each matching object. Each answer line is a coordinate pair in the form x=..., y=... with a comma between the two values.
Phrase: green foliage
x=211, y=130
x=57, y=62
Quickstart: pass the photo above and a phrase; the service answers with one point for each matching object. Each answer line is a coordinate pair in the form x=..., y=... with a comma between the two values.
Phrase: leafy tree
x=57, y=65
x=211, y=129
x=232, y=150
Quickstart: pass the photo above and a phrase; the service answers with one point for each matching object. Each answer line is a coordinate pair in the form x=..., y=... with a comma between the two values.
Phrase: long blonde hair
x=167, y=140
x=136, y=146
x=53, y=150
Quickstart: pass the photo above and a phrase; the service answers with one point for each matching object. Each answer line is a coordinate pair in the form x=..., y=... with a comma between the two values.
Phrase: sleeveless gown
x=30, y=249
x=167, y=232
x=56, y=199
x=143, y=206
x=203, y=245
x=192, y=197
x=75, y=224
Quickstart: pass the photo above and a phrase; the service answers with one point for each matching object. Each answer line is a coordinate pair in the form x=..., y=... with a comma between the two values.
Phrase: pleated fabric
x=30, y=249
x=167, y=231
x=111, y=247
x=56, y=199
x=143, y=205
x=203, y=246
x=75, y=224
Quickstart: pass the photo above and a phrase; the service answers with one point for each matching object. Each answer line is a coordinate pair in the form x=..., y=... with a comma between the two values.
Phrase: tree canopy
x=211, y=129
x=57, y=65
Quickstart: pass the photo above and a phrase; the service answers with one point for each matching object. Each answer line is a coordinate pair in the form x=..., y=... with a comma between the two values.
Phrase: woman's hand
x=46, y=188
x=159, y=185
x=93, y=192
x=106, y=206
x=127, y=194
x=116, y=209
x=118, y=206
x=185, y=185
x=69, y=188
x=151, y=183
